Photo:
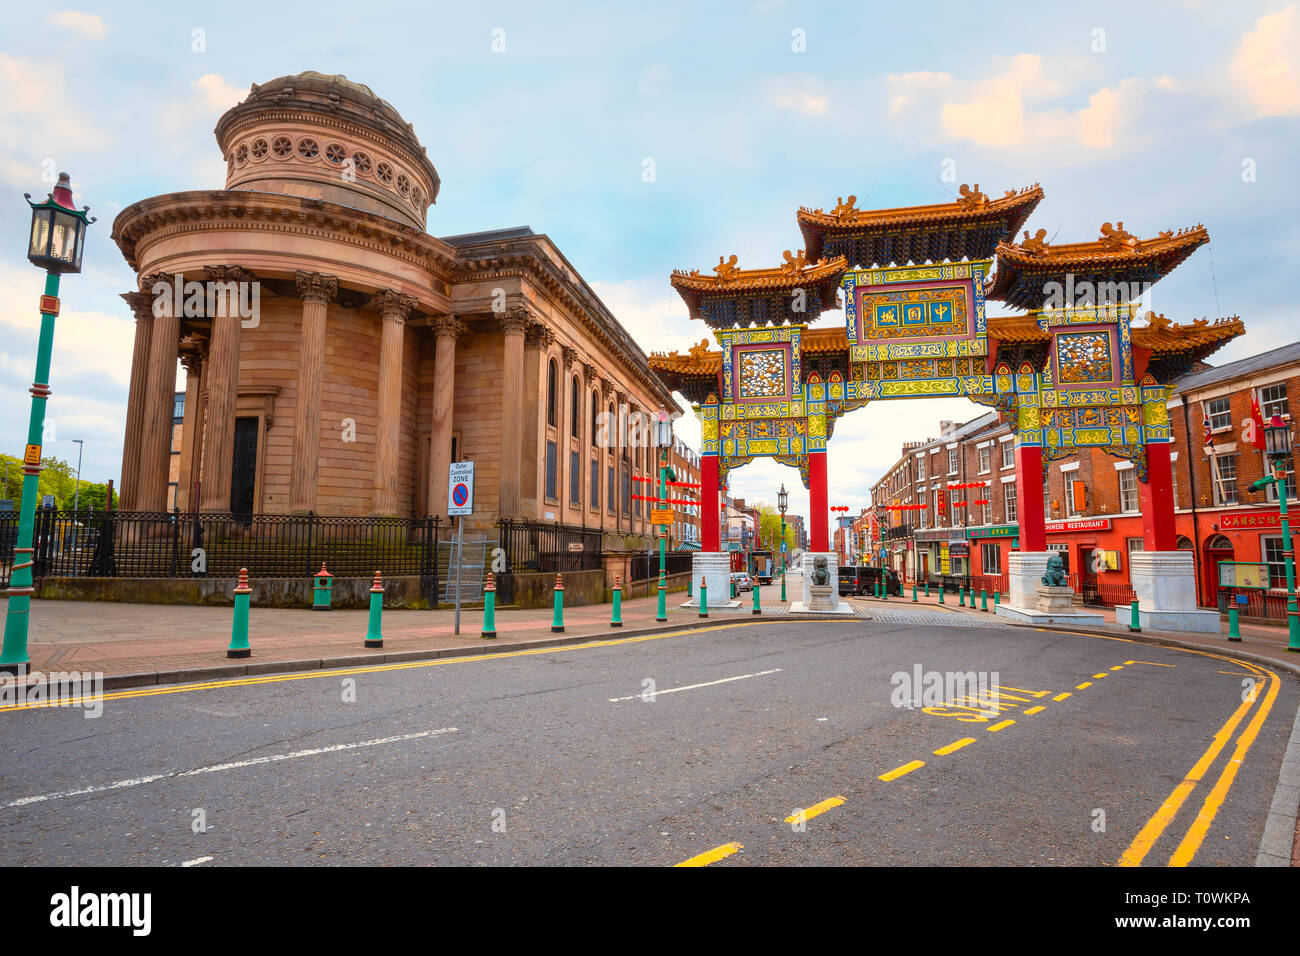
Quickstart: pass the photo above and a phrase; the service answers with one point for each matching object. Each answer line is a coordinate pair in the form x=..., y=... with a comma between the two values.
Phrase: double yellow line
x=1195, y=835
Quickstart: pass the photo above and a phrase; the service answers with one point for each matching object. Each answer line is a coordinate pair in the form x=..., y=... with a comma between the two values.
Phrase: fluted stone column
x=317, y=291
x=446, y=329
x=159, y=403
x=513, y=324
x=222, y=382
x=141, y=304
x=193, y=358
x=394, y=307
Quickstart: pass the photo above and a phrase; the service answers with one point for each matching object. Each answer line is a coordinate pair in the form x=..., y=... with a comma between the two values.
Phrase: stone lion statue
x=1055, y=576
x=821, y=573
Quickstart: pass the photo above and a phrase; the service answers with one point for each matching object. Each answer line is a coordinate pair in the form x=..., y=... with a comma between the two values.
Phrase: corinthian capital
x=228, y=274
x=395, y=305
x=570, y=356
x=542, y=336
x=141, y=304
x=514, y=321
x=446, y=325
x=316, y=287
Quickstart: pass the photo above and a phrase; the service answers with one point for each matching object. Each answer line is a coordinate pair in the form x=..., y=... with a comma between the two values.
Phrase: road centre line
x=374, y=669
x=673, y=690
x=1034, y=710
x=217, y=768
x=1086, y=684
x=1099, y=676
x=1061, y=696
x=954, y=746
x=901, y=771
x=816, y=809
x=202, y=859
x=712, y=856
x=1002, y=725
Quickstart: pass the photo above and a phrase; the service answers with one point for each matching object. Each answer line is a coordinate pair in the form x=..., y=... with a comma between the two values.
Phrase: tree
x=770, y=524
x=58, y=478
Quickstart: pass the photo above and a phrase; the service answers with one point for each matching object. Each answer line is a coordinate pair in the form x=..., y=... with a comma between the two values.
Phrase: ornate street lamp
x=1277, y=445
x=664, y=437
x=57, y=238
x=782, y=502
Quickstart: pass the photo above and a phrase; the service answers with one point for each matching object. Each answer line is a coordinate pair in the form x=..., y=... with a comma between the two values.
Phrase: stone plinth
x=1054, y=600
x=1165, y=585
x=713, y=567
x=822, y=597
x=1025, y=571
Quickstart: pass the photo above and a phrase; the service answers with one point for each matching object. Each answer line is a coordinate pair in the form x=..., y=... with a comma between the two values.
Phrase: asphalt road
x=557, y=757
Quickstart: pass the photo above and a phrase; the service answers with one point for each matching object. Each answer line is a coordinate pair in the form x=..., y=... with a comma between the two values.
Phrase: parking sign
x=460, y=488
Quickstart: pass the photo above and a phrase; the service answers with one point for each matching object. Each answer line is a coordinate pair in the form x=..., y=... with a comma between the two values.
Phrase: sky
x=646, y=137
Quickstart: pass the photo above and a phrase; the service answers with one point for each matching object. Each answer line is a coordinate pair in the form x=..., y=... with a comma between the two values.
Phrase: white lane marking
x=673, y=690
x=215, y=768
x=202, y=859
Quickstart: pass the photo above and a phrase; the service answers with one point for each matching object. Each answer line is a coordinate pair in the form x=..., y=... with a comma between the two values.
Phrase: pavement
x=748, y=742
x=159, y=643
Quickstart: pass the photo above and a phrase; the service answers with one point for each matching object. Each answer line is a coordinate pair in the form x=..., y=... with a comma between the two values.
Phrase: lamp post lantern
x=55, y=244
x=782, y=502
x=1277, y=445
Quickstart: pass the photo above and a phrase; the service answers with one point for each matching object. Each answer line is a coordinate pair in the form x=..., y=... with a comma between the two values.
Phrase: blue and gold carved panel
x=750, y=368
x=1085, y=358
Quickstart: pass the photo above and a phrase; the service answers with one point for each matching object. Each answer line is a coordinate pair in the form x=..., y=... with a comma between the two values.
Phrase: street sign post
x=460, y=502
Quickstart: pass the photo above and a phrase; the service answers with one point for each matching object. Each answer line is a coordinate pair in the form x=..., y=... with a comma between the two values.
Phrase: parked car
x=853, y=579
x=741, y=581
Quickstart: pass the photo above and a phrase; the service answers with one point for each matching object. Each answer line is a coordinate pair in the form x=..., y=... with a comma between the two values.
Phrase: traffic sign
x=460, y=488
x=661, y=516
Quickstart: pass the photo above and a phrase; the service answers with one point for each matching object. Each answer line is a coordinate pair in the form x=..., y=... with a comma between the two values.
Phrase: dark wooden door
x=243, y=471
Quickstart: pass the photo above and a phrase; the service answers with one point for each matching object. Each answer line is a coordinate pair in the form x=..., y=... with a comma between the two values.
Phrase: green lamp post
x=1277, y=445
x=782, y=502
x=664, y=438
x=57, y=239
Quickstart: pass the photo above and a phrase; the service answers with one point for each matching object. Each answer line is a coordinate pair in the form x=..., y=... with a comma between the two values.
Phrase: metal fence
x=1266, y=605
x=645, y=564
x=125, y=544
x=536, y=547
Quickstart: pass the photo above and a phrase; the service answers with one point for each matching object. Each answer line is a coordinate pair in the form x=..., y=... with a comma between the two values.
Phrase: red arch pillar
x=710, y=504
x=819, y=520
x=1156, y=496
x=1029, y=500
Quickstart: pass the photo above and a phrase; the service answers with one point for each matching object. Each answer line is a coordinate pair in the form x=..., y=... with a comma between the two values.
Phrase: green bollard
x=239, y=630
x=884, y=590
x=690, y=587
x=704, y=597
x=913, y=592
x=984, y=600
x=940, y=593
x=557, y=621
x=927, y=588
x=322, y=590
x=375, y=635
x=1135, y=620
x=489, y=607
x=1234, y=629
x=616, y=619
x=997, y=600
x=756, y=589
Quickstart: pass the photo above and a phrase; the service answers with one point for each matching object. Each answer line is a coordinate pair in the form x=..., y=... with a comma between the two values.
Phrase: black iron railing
x=134, y=544
x=645, y=564
x=536, y=547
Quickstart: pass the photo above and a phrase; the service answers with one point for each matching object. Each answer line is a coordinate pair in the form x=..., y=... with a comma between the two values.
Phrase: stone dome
x=326, y=137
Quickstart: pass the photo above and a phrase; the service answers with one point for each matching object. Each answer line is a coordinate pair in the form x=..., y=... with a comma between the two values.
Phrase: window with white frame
x=1288, y=463
x=1219, y=412
x=1008, y=454
x=920, y=469
x=1272, y=400
x=1128, y=490
x=991, y=558
x=987, y=517
x=1270, y=547
x=1047, y=500
x=1009, y=501
x=986, y=455
x=1134, y=544
x=952, y=461
x=1071, y=511
x=1173, y=484
x=1224, y=469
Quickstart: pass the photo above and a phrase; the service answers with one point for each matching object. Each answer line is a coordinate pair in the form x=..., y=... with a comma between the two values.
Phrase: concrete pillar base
x=713, y=567
x=1165, y=585
x=1025, y=570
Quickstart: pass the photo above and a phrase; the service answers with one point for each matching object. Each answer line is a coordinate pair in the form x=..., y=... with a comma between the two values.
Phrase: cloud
x=39, y=126
x=801, y=94
x=1266, y=67
x=186, y=124
x=87, y=24
x=1014, y=108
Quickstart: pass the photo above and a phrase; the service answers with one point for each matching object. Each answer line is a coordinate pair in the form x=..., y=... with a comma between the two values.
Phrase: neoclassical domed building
x=371, y=353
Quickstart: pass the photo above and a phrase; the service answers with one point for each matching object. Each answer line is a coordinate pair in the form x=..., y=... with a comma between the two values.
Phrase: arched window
x=611, y=437
x=550, y=392
x=1184, y=543
x=595, y=414
x=575, y=418
x=1218, y=543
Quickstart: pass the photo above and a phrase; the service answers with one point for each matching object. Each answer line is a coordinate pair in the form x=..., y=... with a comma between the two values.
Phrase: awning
x=689, y=546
